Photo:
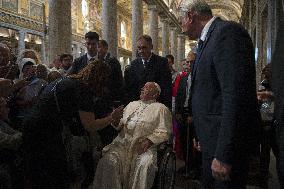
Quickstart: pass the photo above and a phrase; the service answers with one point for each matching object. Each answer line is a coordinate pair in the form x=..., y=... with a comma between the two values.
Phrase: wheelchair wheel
x=167, y=172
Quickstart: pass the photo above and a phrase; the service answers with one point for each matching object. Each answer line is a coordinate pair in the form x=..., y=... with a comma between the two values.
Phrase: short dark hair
x=64, y=56
x=147, y=38
x=92, y=35
x=103, y=43
x=169, y=56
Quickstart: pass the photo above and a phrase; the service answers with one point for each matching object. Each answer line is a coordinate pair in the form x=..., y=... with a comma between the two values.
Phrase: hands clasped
x=143, y=145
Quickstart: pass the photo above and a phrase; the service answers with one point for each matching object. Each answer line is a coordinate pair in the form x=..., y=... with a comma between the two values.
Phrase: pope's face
x=148, y=92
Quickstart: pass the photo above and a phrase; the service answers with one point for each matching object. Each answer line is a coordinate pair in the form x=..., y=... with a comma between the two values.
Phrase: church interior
x=53, y=27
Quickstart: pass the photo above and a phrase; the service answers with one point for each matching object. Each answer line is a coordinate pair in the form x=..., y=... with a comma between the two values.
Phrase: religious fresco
x=24, y=7
x=36, y=11
x=10, y=5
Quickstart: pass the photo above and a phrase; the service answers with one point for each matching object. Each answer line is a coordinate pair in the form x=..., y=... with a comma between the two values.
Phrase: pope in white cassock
x=130, y=161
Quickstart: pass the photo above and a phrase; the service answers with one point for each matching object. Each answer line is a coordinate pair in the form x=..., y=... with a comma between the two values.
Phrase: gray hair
x=158, y=88
x=200, y=7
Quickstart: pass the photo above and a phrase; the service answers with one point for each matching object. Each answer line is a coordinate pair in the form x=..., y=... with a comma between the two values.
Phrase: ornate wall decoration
x=10, y=5
x=24, y=7
x=36, y=11
x=18, y=20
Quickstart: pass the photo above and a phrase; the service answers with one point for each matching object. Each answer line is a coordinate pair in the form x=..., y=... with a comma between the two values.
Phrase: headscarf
x=22, y=63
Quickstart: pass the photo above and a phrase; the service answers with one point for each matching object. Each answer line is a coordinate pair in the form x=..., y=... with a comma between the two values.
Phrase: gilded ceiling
x=227, y=9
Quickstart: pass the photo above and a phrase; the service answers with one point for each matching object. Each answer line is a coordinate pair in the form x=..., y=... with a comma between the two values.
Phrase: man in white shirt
x=91, y=43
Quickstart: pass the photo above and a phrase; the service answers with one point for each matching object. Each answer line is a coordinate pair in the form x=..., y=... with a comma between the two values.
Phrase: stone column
x=59, y=31
x=250, y=17
x=270, y=29
x=180, y=50
x=137, y=24
x=173, y=40
x=43, y=50
x=153, y=24
x=109, y=26
x=21, y=41
x=258, y=45
x=165, y=37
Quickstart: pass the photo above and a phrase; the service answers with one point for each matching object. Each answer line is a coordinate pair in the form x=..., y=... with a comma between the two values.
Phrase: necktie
x=92, y=59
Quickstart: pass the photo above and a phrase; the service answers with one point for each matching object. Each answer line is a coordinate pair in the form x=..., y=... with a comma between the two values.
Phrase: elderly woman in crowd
x=65, y=108
x=130, y=161
x=26, y=97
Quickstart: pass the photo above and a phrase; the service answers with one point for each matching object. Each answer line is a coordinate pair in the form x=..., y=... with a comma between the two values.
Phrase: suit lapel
x=196, y=63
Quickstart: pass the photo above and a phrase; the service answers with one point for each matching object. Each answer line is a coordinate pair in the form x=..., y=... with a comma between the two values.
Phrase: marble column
x=165, y=36
x=180, y=50
x=21, y=41
x=59, y=30
x=109, y=26
x=137, y=24
x=153, y=23
x=250, y=17
x=270, y=29
x=258, y=45
x=43, y=50
x=173, y=40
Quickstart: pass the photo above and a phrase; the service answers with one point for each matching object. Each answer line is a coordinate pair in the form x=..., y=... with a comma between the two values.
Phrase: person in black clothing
x=63, y=107
x=268, y=139
x=148, y=67
x=278, y=90
x=113, y=94
x=115, y=81
x=91, y=43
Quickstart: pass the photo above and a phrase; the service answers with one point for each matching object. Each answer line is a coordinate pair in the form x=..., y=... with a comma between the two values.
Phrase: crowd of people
x=82, y=123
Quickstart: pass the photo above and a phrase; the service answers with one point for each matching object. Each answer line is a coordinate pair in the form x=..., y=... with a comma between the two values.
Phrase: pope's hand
x=144, y=145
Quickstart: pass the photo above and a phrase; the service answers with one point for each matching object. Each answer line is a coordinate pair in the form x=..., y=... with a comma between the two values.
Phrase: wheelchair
x=166, y=174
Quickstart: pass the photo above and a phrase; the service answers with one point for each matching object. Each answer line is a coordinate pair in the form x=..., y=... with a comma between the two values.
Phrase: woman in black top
x=65, y=103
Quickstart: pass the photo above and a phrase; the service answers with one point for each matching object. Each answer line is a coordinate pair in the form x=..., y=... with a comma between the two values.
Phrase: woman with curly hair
x=65, y=108
x=29, y=53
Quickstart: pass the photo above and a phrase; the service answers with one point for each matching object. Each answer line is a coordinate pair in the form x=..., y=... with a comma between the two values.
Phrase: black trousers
x=280, y=160
x=268, y=142
x=186, y=134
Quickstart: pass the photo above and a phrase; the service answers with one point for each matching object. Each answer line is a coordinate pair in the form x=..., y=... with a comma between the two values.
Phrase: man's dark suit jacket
x=156, y=70
x=224, y=103
x=78, y=64
x=116, y=79
x=278, y=90
x=181, y=95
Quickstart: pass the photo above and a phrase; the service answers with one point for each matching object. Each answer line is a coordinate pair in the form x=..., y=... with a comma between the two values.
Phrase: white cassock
x=121, y=167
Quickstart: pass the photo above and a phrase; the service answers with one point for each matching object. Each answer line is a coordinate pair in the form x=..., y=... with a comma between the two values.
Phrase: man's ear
x=191, y=16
